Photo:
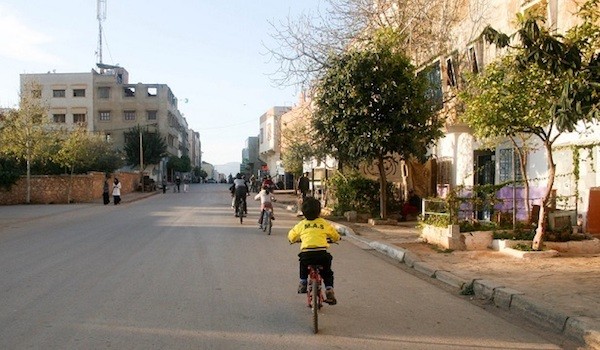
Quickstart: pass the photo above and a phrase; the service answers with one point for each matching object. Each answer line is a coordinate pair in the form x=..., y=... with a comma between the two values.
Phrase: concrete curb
x=581, y=329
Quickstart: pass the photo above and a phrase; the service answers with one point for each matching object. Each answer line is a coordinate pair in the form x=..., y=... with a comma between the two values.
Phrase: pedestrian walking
x=304, y=185
x=177, y=183
x=164, y=184
x=116, y=192
x=186, y=184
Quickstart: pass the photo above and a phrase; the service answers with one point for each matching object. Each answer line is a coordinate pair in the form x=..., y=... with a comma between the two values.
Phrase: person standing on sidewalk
x=116, y=192
x=304, y=185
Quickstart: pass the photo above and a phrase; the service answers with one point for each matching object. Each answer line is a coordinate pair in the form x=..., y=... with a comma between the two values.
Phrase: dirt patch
x=573, y=282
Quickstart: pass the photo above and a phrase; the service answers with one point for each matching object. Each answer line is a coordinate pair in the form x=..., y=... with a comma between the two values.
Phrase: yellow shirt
x=313, y=234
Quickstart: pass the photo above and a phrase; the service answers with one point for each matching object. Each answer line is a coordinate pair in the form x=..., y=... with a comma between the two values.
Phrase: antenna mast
x=101, y=16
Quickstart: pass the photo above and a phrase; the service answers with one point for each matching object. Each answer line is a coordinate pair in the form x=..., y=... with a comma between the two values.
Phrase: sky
x=212, y=54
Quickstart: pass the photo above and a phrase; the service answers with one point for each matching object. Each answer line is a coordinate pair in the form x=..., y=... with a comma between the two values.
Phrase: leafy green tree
x=571, y=62
x=81, y=151
x=9, y=173
x=299, y=148
x=199, y=172
x=25, y=134
x=154, y=146
x=370, y=104
x=510, y=102
x=181, y=164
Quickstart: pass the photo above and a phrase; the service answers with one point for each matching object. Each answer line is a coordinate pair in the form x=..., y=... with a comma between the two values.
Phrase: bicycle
x=239, y=210
x=314, y=294
x=267, y=220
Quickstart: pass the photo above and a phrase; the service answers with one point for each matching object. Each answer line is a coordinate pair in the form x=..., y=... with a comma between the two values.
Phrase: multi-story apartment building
x=461, y=159
x=69, y=97
x=269, y=143
x=106, y=102
x=251, y=163
x=195, y=147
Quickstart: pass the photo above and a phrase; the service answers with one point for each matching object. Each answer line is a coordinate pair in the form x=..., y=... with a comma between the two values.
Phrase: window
x=509, y=160
x=103, y=92
x=473, y=60
x=152, y=91
x=262, y=135
x=129, y=115
x=129, y=91
x=171, y=140
x=59, y=118
x=104, y=116
x=78, y=92
x=108, y=137
x=269, y=132
x=58, y=93
x=433, y=74
x=79, y=118
x=450, y=74
x=151, y=115
x=444, y=173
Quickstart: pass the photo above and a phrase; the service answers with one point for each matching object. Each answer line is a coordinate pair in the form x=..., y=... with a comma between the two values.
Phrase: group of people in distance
x=313, y=232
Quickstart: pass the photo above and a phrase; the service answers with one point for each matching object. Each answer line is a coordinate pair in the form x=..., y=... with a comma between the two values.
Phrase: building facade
x=269, y=140
x=104, y=101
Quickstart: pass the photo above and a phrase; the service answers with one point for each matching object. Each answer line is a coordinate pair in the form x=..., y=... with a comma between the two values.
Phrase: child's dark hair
x=311, y=208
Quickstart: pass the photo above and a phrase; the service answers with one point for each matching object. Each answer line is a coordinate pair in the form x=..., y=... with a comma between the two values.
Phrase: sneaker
x=330, y=297
x=302, y=288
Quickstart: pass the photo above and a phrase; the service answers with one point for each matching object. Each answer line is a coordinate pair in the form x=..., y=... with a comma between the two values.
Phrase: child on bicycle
x=314, y=234
x=266, y=201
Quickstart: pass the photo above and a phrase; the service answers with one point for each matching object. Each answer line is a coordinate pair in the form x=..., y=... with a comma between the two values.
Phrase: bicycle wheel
x=315, y=305
x=265, y=217
x=269, y=223
x=241, y=211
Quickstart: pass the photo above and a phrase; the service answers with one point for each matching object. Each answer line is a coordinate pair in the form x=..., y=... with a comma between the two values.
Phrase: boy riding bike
x=314, y=233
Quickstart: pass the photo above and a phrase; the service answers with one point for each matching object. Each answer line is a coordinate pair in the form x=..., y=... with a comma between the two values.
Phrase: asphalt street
x=178, y=271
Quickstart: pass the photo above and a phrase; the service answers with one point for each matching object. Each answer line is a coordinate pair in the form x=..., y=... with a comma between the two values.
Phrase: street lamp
x=141, y=160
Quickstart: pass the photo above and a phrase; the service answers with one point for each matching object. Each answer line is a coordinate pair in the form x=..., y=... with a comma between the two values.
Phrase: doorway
x=485, y=174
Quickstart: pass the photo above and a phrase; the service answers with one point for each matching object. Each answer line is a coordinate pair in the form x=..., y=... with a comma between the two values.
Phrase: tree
x=181, y=164
x=572, y=62
x=302, y=46
x=81, y=151
x=370, y=104
x=506, y=101
x=199, y=172
x=154, y=146
x=25, y=134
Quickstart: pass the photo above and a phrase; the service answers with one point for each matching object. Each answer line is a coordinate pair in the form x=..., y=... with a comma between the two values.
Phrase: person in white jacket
x=266, y=201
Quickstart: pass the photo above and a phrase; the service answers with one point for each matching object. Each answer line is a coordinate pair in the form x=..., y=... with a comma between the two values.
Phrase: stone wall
x=54, y=189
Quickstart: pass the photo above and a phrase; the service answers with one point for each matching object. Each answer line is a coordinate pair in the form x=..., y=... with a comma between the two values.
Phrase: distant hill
x=228, y=168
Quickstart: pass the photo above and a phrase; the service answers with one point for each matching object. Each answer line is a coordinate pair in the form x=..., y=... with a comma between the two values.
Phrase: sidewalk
x=560, y=294
x=25, y=212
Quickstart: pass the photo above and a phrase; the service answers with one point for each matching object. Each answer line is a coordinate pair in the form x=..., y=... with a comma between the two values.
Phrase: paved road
x=177, y=271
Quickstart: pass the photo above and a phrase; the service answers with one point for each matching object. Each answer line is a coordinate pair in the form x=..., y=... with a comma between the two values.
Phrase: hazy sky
x=210, y=53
